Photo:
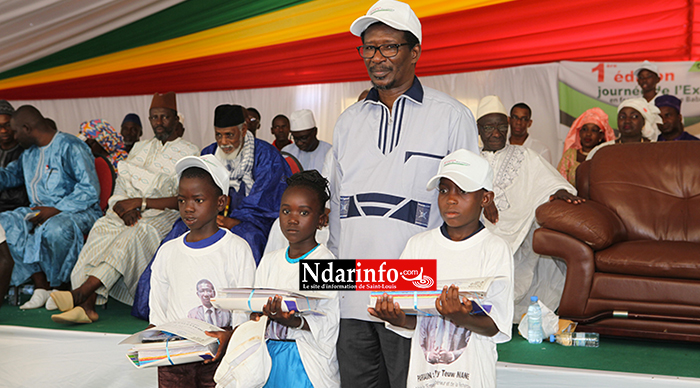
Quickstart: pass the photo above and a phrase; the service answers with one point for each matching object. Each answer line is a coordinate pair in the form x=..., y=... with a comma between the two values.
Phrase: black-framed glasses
x=489, y=129
x=6, y=126
x=387, y=50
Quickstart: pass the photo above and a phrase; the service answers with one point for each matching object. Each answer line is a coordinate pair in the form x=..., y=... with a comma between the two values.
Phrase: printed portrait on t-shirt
x=206, y=311
x=442, y=341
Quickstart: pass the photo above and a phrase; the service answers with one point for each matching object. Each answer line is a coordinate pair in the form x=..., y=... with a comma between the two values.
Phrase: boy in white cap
x=457, y=340
x=523, y=180
x=206, y=254
x=307, y=148
x=384, y=148
x=648, y=77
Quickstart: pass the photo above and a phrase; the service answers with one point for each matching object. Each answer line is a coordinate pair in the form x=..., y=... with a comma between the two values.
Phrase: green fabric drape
x=186, y=18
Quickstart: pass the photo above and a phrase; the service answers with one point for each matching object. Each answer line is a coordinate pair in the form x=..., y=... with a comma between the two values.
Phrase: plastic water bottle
x=534, y=322
x=589, y=340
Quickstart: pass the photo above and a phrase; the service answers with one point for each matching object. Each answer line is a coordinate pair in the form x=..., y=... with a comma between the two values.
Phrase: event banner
x=367, y=275
x=584, y=85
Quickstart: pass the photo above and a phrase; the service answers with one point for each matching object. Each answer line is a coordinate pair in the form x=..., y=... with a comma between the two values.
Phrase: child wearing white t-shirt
x=458, y=348
x=188, y=270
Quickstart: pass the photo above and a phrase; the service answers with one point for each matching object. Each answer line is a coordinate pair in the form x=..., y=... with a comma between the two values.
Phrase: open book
x=179, y=342
x=249, y=299
x=423, y=302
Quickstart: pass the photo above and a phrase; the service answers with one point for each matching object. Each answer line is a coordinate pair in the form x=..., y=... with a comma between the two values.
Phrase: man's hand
x=224, y=337
x=491, y=213
x=124, y=206
x=387, y=310
x=451, y=307
x=226, y=222
x=566, y=196
x=45, y=212
x=131, y=217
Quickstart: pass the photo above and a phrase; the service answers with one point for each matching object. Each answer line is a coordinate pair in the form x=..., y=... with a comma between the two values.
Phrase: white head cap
x=466, y=169
x=651, y=114
x=301, y=120
x=646, y=65
x=488, y=105
x=208, y=163
x=394, y=14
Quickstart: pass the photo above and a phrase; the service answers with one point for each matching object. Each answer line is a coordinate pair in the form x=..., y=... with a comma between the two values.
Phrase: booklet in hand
x=423, y=302
x=178, y=342
x=253, y=299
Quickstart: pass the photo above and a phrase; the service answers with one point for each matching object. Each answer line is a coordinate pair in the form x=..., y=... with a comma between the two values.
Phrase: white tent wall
x=535, y=85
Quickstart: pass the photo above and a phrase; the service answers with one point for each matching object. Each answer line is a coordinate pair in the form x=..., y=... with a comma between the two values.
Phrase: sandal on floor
x=76, y=315
x=63, y=300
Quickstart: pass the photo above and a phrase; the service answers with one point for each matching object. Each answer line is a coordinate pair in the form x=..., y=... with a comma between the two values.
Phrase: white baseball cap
x=394, y=14
x=646, y=65
x=208, y=163
x=488, y=105
x=466, y=169
x=301, y=120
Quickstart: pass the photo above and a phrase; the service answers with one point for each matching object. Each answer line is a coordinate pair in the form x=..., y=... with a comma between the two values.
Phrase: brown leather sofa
x=633, y=248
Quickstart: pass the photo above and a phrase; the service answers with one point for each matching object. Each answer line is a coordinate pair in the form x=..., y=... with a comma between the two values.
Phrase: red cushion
x=105, y=174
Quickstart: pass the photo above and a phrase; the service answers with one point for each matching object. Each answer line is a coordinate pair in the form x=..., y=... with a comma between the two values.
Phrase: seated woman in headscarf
x=637, y=122
x=103, y=140
x=588, y=130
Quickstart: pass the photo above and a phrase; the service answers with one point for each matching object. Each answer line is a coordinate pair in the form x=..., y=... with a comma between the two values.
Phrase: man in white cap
x=522, y=181
x=648, y=77
x=384, y=148
x=307, y=148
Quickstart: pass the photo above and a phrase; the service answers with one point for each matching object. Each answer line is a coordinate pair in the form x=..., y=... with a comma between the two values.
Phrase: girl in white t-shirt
x=302, y=348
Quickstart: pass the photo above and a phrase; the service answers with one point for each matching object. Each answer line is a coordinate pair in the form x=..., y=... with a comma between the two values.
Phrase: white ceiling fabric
x=32, y=29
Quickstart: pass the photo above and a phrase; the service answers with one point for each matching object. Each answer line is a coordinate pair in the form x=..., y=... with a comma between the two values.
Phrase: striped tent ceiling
x=90, y=48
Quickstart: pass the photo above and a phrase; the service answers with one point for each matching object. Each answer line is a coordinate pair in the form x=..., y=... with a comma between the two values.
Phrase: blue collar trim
x=207, y=242
x=443, y=230
x=300, y=258
x=415, y=92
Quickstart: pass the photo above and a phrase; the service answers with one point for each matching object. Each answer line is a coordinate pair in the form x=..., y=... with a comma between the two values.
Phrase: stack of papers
x=423, y=302
x=253, y=299
x=178, y=342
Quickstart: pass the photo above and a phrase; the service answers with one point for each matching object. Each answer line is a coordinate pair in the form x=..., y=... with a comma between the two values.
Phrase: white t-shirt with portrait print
x=177, y=268
x=445, y=355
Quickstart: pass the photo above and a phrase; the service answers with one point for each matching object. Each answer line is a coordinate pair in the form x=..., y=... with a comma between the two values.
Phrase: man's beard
x=165, y=135
x=388, y=86
x=230, y=155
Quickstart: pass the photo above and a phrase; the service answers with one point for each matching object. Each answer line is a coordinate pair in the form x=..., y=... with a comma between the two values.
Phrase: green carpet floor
x=115, y=318
x=614, y=354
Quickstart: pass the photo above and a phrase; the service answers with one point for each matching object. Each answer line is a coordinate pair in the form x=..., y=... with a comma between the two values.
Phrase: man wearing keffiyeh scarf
x=257, y=180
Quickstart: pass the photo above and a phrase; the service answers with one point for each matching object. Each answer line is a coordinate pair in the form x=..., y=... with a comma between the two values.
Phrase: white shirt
x=538, y=147
x=522, y=181
x=149, y=171
x=317, y=346
x=383, y=161
x=177, y=269
x=309, y=160
x=448, y=347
